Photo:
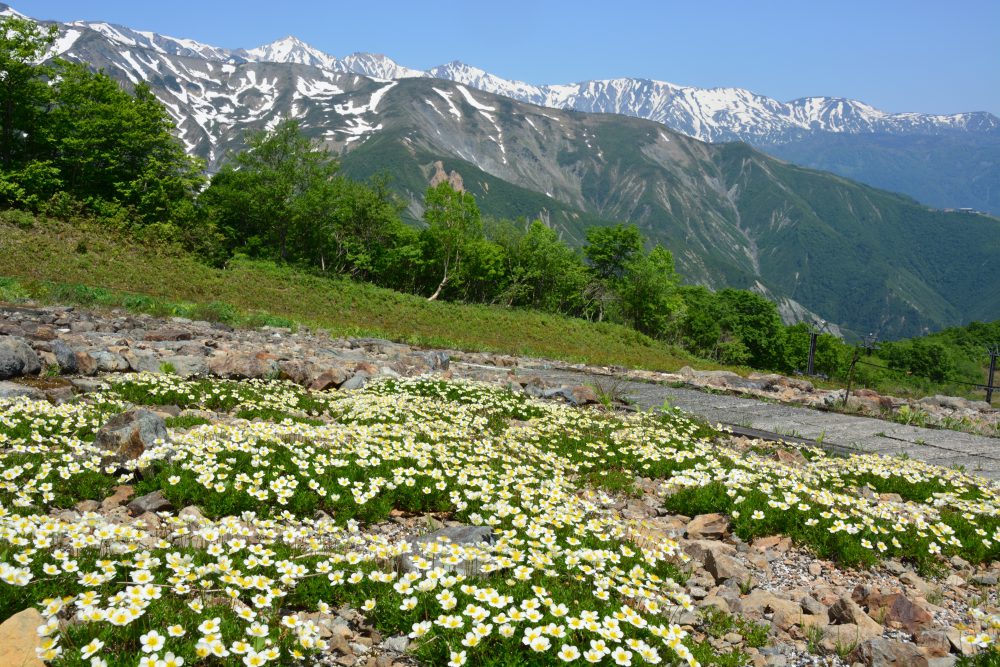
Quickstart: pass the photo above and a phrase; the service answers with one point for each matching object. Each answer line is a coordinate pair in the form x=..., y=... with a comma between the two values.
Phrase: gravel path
x=977, y=454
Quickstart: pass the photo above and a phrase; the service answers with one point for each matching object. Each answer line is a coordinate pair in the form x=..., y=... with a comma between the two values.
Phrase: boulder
x=724, y=568
x=583, y=395
x=108, y=361
x=17, y=358
x=243, y=365
x=85, y=363
x=19, y=639
x=357, y=381
x=758, y=602
x=888, y=653
x=186, y=365
x=331, y=378
x=708, y=527
x=701, y=549
x=15, y=390
x=934, y=642
x=167, y=334
x=846, y=611
x=142, y=361
x=898, y=609
x=128, y=434
x=65, y=357
x=461, y=535
x=151, y=502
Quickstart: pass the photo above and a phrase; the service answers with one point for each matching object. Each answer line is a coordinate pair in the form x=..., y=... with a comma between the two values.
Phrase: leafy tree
x=24, y=89
x=699, y=329
x=113, y=146
x=648, y=292
x=754, y=322
x=543, y=271
x=610, y=250
x=453, y=221
x=923, y=358
x=275, y=197
x=362, y=226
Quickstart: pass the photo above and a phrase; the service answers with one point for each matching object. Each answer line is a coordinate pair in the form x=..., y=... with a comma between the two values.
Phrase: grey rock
x=143, y=361
x=811, y=605
x=151, y=502
x=65, y=357
x=17, y=358
x=357, y=381
x=462, y=535
x=984, y=579
x=109, y=362
x=128, y=434
x=397, y=644
x=186, y=365
x=15, y=390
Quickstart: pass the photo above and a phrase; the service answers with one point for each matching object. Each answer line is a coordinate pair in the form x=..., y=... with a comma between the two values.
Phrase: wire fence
x=900, y=371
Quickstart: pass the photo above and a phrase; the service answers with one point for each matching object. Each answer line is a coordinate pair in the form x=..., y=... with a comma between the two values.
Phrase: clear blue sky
x=914, y=55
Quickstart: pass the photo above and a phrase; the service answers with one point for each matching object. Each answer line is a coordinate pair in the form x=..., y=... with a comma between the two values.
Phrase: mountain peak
x=290, y=49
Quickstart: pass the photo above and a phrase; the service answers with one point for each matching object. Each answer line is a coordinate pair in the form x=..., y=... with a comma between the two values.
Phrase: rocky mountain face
x=819, y=245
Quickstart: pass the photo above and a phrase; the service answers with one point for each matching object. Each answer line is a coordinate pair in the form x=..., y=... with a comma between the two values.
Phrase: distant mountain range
x=821, y=246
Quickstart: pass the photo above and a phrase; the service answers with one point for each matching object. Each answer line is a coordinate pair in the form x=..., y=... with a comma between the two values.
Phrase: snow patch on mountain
x=476, y=104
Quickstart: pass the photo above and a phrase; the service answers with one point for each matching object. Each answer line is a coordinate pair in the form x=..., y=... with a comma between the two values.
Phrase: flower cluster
x=274, y=535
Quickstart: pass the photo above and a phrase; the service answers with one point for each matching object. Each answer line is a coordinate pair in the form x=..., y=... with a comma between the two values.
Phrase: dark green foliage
x=610, y=250
x=24, y=91
x=920, y=357
x=283, y=198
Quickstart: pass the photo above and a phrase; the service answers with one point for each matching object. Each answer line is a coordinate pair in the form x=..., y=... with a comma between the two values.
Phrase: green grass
x=42, y=263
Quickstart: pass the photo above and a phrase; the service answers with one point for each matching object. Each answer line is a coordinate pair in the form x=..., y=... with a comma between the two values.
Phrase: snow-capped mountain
x=708, y=114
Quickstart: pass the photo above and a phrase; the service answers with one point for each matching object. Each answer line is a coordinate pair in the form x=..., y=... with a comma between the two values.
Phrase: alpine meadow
x=315, y=360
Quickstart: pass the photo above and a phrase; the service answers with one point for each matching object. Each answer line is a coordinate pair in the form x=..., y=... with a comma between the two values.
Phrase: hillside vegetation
x=74, y=263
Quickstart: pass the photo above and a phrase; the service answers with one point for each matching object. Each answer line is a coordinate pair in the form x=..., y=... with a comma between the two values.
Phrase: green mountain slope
x=867, y=259
x=950, y=170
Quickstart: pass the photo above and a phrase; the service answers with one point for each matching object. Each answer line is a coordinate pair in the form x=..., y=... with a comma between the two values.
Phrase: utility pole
x=811, y=364
x=814, y=332
x=994, y=352
x=850, y=374
x=870, y=344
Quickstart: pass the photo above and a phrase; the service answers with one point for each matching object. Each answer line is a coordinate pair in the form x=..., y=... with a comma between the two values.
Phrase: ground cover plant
x=280, y=511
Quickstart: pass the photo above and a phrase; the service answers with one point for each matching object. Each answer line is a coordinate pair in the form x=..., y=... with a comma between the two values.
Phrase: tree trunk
x=437, y=292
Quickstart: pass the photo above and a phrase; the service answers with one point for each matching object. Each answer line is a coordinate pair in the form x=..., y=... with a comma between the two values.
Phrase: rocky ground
x=794, y=608
x=943, y=411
